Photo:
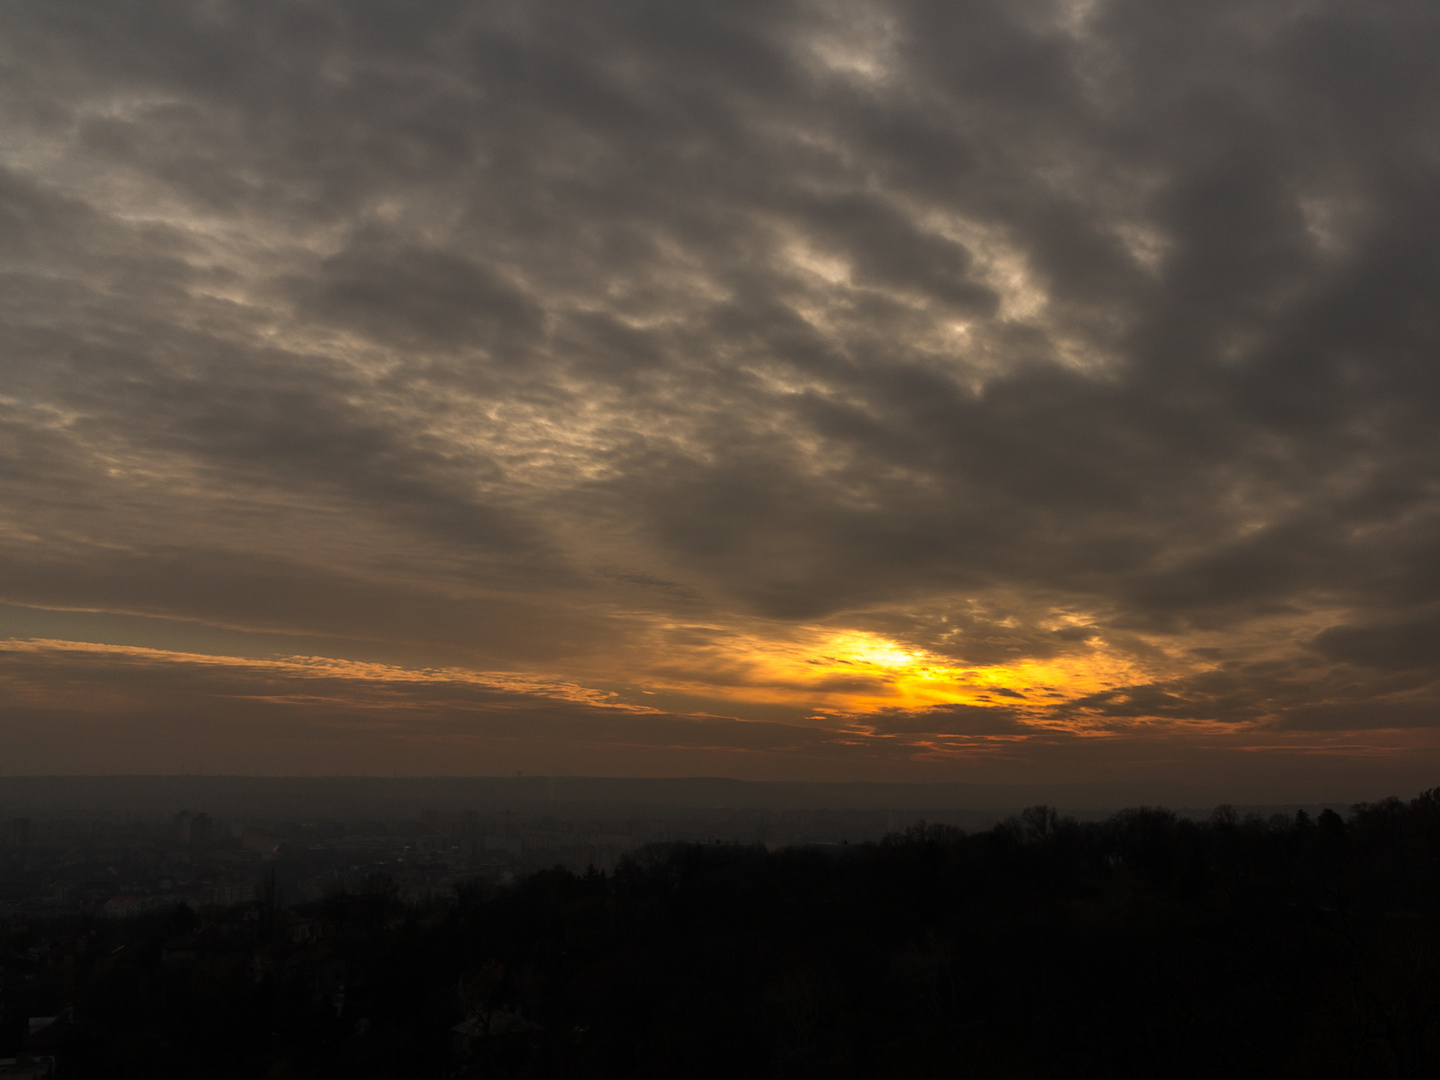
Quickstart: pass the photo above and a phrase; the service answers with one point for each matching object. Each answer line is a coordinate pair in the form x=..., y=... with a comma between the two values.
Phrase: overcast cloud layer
x=1083, y=355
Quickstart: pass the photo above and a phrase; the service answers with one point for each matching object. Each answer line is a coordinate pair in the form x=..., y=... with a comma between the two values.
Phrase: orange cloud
x=828, y=674
x=338, y=674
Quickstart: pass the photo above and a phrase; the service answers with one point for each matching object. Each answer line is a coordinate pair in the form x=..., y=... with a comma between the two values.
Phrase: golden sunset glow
x=835, y=675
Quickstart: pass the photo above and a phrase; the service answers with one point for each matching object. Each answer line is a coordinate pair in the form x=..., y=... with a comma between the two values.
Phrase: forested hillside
x=1145, y=945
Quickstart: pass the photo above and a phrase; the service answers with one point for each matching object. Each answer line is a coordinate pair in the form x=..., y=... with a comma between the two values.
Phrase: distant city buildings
x=192, y=830
x=15, y=833
x=120, y=868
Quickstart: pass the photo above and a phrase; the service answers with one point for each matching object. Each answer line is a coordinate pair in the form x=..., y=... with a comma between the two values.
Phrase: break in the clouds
x=1034, y=371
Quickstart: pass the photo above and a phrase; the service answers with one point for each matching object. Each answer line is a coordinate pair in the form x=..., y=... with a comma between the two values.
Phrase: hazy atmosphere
x=1012, y=393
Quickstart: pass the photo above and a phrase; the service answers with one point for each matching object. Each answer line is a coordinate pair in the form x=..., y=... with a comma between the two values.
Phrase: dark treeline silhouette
x=1145, y=945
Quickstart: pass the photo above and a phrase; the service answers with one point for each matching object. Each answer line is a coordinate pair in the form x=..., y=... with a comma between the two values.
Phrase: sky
x=957, y=390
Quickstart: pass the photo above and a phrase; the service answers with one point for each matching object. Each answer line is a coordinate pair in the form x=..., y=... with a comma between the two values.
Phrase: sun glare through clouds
x=839, y=676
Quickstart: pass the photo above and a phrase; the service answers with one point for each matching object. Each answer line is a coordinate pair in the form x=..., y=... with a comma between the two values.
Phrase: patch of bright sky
x=545, y=445
x=858, y=42
x=1146, y=244
x=830, y=268
x=998, y=263
x=1331, y=219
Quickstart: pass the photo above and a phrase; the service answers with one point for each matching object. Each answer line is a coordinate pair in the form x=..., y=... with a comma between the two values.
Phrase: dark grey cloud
x=1403, y=644
x=1007, y=329
x=357, y=614
x=964, y=720
x=410, y=297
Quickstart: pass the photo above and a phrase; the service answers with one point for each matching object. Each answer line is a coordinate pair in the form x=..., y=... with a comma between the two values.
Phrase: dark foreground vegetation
x=1140, y=946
